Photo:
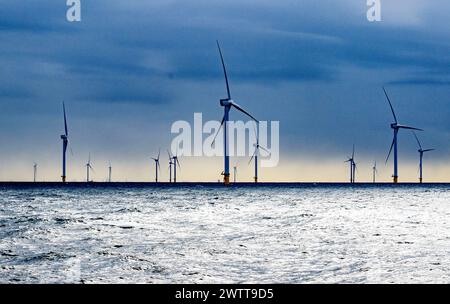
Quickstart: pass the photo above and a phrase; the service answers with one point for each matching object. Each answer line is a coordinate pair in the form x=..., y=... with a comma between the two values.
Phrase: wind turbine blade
x=224, y=70
x=253, y=156
x=218, y=131
x=264, y=149
x=255, y=126
x=243, y=111
x=390, y=150
x=428, y=150
x=159, y=153
x=170, y=155
x=408, y=127
x=178, y=162
x=353, y=152
x=390, y=104
x=418, y=141
x=65, y=120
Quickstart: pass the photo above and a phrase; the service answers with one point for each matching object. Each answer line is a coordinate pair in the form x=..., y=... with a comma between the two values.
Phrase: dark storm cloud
x=318, y=65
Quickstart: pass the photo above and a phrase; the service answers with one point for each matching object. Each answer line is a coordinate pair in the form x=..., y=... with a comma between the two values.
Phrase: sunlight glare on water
x=212, y=234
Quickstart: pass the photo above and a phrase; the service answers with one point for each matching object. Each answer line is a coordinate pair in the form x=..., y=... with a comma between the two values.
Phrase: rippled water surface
x=211, y=234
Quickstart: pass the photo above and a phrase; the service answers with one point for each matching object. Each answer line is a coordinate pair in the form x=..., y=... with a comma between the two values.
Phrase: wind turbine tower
x=374, y=172
x=170, y=166
x=34, y=172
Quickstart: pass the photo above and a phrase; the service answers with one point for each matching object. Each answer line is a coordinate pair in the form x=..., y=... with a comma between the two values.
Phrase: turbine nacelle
x=63, y=137
x=226, y=102
x=397, y=126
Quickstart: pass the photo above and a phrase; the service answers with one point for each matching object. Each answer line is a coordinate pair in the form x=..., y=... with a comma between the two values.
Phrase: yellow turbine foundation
x=226, y=179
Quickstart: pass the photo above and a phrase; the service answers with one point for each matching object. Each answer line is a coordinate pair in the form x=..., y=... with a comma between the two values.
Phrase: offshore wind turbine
x=175, y=163
x=109, y=172
x=157, y=165
x=227, y=104
x=170, y=166
x=396, y=127
x=88, y=168
x=34, y=172
x=351, y=161
x=421, y=152
x=255, y=157
x=235, y=173
x=65, y=139
x=374, y=172
x=256, y=153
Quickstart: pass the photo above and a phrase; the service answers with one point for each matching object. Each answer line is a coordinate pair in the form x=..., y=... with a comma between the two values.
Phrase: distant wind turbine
x=65, y=139
x=375, y=172
x=34, y=172
x=351, y=161
x=421, y=152
x=256, y=154
x=227, y=103
x=235, y=173
x=170, y=166
x=175, y=163
x=157, y=165
x=88, y=168
x=109, y=172
x=396, y=127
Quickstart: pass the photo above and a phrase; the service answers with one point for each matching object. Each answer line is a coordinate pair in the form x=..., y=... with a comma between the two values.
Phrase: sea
x=207, y=233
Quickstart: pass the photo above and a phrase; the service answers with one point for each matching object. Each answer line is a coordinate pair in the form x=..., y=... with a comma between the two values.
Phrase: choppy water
x=211, y=234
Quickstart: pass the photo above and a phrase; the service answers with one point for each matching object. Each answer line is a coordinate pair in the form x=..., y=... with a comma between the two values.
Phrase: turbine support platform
x=63, y=179
x=226, y=179
x=256, y=179
x=395, y=179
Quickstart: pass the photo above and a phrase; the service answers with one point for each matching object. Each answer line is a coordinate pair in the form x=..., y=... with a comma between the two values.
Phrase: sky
x=130, y=69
